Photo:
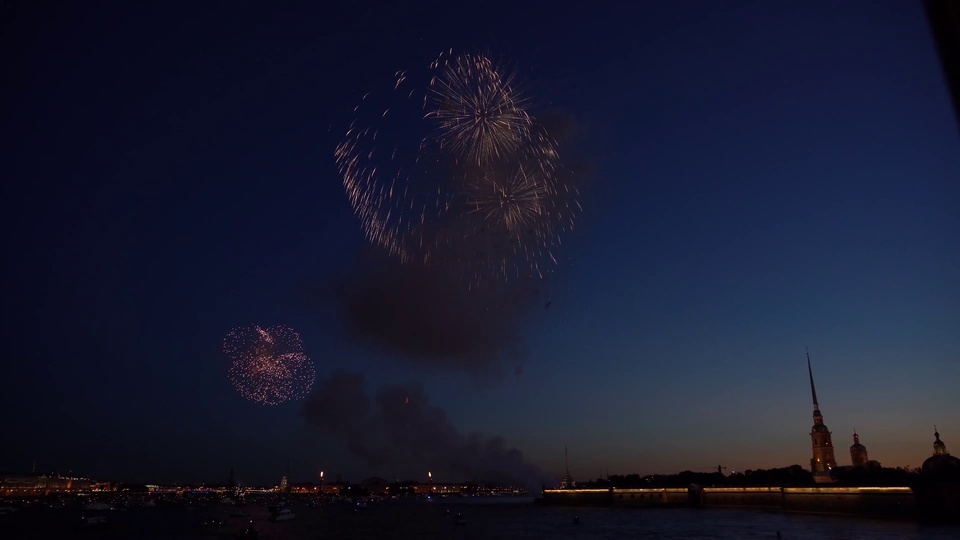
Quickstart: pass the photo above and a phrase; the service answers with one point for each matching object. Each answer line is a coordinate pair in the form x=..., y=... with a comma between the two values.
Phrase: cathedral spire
x=823, y=461
x=813, y=389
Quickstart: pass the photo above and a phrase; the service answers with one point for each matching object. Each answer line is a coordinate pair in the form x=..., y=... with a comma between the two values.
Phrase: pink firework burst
x=268, y=364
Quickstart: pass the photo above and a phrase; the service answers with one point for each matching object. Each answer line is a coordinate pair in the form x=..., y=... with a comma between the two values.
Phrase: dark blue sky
x=765, y=176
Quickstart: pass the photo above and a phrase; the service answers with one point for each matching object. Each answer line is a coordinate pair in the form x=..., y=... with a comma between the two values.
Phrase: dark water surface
x=437, y=520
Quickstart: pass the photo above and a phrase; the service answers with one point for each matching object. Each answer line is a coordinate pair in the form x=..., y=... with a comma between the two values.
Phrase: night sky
x=755, y=177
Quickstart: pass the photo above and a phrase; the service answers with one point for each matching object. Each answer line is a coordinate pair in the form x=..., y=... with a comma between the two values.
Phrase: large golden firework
x=453, y=170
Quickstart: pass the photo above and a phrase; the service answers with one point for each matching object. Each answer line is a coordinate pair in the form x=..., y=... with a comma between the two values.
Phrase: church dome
x=941, y=464
x=856, y=446
x=939, y=448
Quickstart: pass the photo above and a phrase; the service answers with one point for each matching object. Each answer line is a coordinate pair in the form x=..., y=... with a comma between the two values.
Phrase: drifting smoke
x=399, y=427
x=425, y=315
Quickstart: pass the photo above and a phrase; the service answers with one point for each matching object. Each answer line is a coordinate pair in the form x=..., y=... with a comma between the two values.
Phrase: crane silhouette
x=719, y=468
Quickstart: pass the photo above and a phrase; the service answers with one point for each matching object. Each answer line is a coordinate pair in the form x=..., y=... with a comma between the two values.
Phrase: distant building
x=941, y=463
x=858, y=452
x=938, y=492
x=32, y=484
x=314, y=489
x=566, y=482
x=822, y=461
x=375, y=485
x=284, y=484
x=441, y=489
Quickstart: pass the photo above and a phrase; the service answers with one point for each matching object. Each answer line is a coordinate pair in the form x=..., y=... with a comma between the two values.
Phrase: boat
x=98, y=506
x=94, y=521
x=459, y=520
x=248, y=533
x=284, y=514
x=5, y=510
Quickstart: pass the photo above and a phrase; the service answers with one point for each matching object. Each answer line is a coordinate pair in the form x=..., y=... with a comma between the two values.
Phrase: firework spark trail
x=269, y=365
x=478, y=190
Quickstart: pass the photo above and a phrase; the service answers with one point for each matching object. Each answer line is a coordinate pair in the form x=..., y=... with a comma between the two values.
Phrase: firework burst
x=269, y=365
x=450, y=169
x=477, y=109
x=513, y=202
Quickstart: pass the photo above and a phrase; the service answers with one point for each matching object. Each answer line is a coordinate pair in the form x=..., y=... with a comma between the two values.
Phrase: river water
x=488, y=519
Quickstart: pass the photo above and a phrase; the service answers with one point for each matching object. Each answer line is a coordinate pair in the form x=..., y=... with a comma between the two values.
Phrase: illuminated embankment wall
x=33, y=485
x=888, y=501
x=648, y=497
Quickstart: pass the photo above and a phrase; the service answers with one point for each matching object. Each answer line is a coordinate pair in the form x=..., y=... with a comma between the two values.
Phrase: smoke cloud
x=399, y=427
x=427, y=316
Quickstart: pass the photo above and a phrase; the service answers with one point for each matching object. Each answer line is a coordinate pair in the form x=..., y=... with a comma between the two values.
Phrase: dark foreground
x=437, y=520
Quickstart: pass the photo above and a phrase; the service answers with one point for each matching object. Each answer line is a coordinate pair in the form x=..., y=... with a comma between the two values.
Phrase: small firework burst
x=515, y=200
x=268, y=364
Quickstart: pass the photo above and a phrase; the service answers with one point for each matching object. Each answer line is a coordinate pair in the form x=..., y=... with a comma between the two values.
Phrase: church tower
x=858, y=452
x=822, y=461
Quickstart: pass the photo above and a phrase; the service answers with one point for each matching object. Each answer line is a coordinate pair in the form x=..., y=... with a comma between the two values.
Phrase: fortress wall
x=651, y=497
x=887, y=501
x=733, y=497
